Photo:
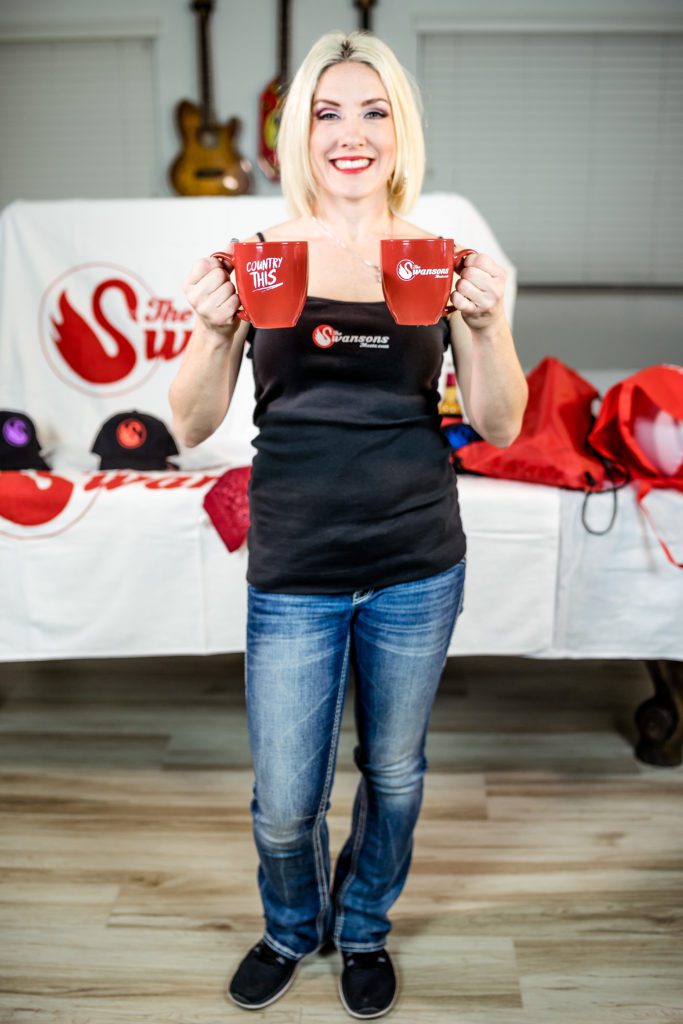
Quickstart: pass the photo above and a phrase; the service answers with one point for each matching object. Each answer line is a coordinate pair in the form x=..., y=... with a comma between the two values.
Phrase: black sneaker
x=368, y=984
x=328, y=947
x=263, y=976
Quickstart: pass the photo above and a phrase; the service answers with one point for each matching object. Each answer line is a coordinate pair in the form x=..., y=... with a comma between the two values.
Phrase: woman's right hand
x=213, y=296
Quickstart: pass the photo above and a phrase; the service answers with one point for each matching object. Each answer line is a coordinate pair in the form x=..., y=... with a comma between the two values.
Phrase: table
x=118, y=563
x=126, y=564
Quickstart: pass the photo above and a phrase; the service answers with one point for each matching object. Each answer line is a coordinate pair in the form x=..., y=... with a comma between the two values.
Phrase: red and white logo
x=131, y=433
x=39, y=505
x=406, y=270
x=104, y=332
x=324, y=336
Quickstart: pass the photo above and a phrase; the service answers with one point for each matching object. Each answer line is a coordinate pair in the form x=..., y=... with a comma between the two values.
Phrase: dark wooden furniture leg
x=659, y=719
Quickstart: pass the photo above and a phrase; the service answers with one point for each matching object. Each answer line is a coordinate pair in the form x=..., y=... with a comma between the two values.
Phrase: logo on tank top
x=325, y=336
x=407, y=270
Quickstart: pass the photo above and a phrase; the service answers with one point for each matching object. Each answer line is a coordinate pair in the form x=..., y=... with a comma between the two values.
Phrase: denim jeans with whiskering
x=299, y=647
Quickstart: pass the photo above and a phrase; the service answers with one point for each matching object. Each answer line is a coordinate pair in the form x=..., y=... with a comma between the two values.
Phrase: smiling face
x=352, y=139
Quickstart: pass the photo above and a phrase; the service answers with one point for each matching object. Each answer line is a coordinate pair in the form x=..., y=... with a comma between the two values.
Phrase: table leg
x=659, y=719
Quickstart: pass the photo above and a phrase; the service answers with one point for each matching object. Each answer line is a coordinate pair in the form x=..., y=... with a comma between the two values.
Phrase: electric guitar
x=209, y=163
x=270, y=101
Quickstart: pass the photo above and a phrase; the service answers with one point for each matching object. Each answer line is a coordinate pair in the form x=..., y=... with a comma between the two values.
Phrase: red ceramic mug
x=271, y=279
x=417, y=275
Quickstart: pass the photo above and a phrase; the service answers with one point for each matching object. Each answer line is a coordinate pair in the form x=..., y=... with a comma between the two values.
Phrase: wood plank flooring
x=547, y=877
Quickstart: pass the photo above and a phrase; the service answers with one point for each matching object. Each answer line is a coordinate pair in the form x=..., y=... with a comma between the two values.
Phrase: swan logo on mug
x=406, y=270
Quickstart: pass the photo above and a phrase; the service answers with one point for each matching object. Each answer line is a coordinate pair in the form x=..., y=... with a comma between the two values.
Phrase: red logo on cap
x=131, y=433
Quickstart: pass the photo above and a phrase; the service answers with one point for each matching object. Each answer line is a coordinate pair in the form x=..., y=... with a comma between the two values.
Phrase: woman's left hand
x=478, y=293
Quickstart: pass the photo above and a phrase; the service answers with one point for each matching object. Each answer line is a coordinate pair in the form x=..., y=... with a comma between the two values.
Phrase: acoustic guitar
x=209, y=163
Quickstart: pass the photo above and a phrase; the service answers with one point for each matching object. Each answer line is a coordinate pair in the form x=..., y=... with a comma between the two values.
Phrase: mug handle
x=229, y=257
x=458, y=260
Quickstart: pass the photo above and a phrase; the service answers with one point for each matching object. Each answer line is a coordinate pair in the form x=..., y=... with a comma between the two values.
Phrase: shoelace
x=372, y=959
x=270, y=955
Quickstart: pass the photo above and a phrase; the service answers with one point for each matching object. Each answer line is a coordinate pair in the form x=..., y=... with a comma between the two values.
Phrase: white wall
x=244, y=51
x=588, y=331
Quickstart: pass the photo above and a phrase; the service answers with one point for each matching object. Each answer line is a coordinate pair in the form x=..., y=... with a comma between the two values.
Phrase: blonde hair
x=296, y=174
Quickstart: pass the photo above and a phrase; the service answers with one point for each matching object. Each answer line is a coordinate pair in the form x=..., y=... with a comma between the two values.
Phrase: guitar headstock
x=365, y=7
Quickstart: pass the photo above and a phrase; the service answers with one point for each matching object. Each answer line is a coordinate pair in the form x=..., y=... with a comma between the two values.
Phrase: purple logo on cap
x=15, y=431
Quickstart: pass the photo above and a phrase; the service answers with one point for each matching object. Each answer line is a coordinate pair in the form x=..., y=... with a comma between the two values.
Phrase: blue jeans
x=299, y=648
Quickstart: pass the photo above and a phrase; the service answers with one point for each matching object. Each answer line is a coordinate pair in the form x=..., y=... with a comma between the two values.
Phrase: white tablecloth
x=125, y=564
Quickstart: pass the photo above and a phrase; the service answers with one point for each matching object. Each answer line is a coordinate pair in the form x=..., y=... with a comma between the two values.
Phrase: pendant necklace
x=368, y=263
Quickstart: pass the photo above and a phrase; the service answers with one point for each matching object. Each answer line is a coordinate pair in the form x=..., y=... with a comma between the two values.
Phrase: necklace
x=368, y=263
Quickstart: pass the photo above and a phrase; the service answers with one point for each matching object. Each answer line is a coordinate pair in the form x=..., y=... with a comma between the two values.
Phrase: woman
x=356, y=549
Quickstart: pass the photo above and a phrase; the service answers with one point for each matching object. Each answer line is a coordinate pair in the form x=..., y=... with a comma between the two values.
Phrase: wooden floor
x=547, y=877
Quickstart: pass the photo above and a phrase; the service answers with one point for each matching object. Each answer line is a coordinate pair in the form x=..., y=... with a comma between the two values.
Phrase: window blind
x=571, y=144
x=77, y=119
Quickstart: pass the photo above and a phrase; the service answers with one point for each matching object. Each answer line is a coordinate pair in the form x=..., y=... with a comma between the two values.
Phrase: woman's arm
x=203, y=388
x=491, y=380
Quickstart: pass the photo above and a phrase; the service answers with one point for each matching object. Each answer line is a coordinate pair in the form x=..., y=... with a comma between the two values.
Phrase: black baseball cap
x=134, y=440
x=19, y=447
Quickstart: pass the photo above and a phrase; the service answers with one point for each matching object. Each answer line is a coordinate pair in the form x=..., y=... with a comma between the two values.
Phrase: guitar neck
x=365, y=9
x=283, y=35
x=204, y=10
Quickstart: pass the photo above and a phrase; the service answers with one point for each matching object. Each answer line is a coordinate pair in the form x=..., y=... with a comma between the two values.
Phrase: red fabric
x=551, y=447
x=656, y=387
x=227, y=505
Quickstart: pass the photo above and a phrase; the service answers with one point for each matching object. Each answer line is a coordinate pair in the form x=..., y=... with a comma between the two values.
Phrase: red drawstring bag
x=640, y=428
x=227, y=505
x=551, y=447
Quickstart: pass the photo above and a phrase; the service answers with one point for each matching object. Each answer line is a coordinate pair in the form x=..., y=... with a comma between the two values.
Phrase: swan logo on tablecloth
x=37, y=505
x=104, y=332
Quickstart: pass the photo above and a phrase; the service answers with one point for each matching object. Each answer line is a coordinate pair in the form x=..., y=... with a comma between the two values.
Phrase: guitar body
x=209, y=164
x=269, y=124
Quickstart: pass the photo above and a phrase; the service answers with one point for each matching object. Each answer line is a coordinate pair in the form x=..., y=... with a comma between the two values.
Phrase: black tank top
x=351, y=484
